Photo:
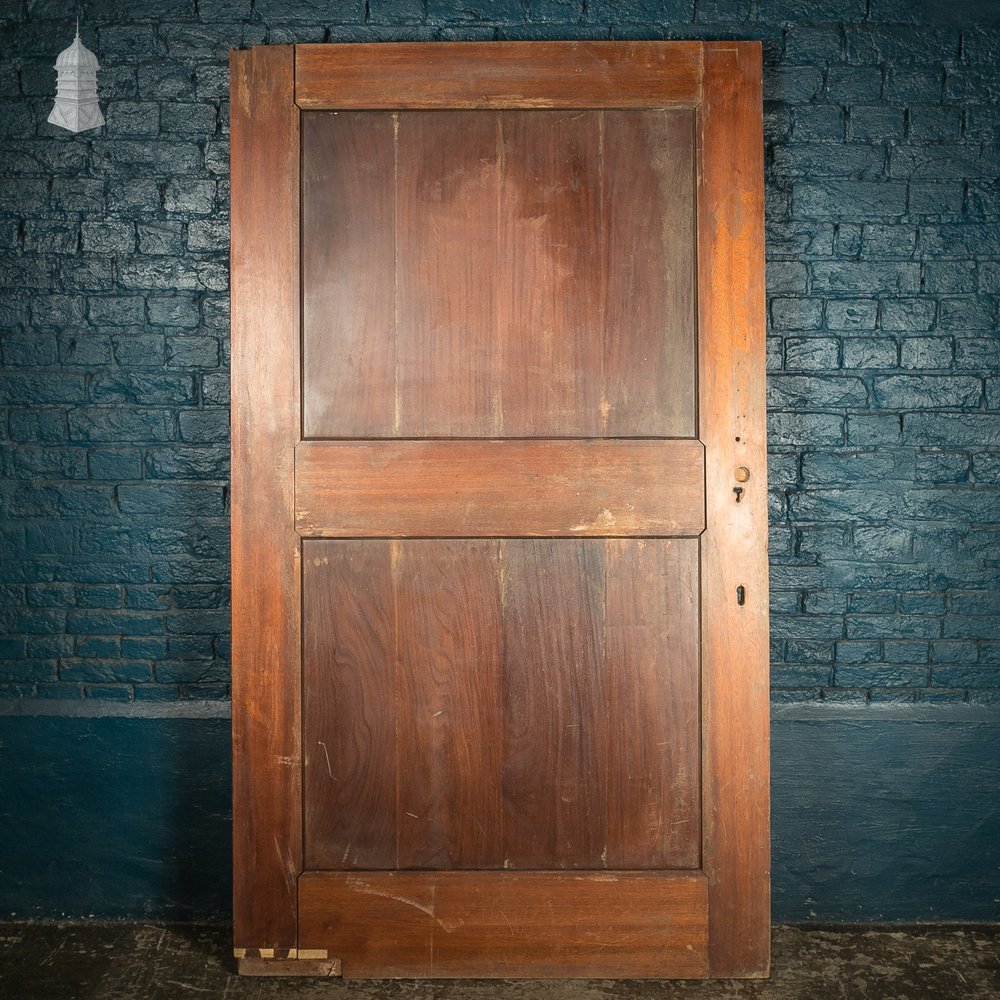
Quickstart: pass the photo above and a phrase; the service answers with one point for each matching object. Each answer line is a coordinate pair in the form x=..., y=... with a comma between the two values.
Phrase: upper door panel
x=498, y=274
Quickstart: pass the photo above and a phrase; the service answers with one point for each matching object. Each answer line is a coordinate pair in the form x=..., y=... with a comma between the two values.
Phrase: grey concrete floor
x=167, y=962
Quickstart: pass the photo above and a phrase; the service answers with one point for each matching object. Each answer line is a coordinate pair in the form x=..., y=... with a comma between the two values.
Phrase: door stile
x=735, y=646
x=266, y=601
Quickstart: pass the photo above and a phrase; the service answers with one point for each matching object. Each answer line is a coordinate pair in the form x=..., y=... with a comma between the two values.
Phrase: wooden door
x=499, y=520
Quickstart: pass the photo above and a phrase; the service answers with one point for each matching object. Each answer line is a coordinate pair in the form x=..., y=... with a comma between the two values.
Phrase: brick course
x=883, y=224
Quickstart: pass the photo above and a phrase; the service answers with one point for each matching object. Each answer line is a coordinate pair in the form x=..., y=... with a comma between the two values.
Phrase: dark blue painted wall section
x=878, y=814
x=114, y=817
x=882, y=136
x=886, y=814
x=882, y=139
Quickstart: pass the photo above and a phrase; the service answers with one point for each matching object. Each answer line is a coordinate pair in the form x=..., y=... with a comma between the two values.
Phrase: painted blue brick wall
x=883, y=208
x=882, y=121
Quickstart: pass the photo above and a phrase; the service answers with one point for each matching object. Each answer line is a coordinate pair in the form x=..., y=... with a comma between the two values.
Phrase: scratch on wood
x=327, y=756
x=370, y=890
x=290, y=869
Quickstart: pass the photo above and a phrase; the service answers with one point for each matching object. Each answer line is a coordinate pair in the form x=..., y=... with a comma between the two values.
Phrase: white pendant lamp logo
x=76, y=106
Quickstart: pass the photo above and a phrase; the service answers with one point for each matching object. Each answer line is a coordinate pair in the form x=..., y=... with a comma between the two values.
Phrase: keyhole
x=741, y=595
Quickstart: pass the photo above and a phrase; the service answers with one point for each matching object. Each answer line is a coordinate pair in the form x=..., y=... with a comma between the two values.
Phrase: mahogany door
x=499, y=521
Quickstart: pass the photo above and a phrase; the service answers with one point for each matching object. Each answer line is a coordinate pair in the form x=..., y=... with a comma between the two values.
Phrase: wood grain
x=734, y=553
x=649, y=327
x=349, y=711
x=499, y=75
x=315, y=968
x=423, y=706
x=267, y=798
x=348, y=275
x=499, y=487
x=586, y=647
x=446, y=256
x=457, y=278
x=550, y=274
x=508, y=924
x=402, y=662
x=553, y=704
x=650, y=708
x=449, y=659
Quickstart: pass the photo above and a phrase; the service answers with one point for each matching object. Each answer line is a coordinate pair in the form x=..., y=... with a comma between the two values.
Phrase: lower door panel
x=506, y=704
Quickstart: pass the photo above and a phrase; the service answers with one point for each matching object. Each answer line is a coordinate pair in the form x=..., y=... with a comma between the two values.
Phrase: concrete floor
x=168, y=962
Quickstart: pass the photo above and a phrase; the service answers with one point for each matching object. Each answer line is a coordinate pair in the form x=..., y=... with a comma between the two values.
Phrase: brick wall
x=882, y=121
x=883, y=398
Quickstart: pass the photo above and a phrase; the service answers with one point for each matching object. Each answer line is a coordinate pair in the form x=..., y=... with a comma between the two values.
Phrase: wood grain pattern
x=499, y=487
x=508, y=924
x=315, y=968
x=553, y=780
x=458, y=278
x=550, y=273
x=649, y=353
x=430, y=696
x=731, y=423
x=650, y=711
x=446, y=319
x=350, y=704
x=499, y=75
x=581, y=616
x=348, y=275
x=267, y=799
x=449, y=662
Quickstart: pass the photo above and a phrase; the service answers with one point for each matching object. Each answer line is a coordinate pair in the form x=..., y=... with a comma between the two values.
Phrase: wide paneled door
x=499, y=599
